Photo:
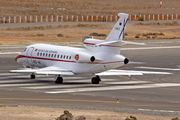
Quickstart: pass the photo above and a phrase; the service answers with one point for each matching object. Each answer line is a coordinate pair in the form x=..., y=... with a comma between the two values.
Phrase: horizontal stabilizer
x=133, y=43
x=109, y=43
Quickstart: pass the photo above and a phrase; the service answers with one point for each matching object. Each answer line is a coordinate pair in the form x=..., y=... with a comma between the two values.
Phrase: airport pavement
x=150, y=92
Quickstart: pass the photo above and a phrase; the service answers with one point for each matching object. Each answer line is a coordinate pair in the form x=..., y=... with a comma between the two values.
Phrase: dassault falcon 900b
x=98, y=58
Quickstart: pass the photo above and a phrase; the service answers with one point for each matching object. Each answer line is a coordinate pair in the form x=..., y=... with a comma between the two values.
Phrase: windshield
x=24, y=50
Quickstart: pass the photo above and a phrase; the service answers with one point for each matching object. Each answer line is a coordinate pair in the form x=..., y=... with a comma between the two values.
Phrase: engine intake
x=92, y=59
x=84, y=57
x=126, y=61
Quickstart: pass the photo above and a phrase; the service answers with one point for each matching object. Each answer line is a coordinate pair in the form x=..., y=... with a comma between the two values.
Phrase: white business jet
x=98, y=58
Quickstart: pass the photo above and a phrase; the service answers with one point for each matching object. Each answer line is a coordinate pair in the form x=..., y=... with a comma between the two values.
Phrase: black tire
x=59, y=80
x=98, y=77
x=32, y=76
x=95, y=80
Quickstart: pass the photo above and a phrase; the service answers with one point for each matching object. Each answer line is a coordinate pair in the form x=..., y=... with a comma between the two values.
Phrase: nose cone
x=17, y=57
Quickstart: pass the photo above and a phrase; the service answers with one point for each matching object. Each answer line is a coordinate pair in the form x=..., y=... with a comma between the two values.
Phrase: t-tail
x=117, y=33
x=112, y=44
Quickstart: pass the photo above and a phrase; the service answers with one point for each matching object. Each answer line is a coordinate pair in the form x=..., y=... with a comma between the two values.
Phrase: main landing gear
x=95, y=80
x=58, y=79
x=32, y=76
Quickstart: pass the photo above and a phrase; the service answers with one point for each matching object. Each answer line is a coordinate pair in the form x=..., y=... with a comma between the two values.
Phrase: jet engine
x=84, y=57
x=126, y=61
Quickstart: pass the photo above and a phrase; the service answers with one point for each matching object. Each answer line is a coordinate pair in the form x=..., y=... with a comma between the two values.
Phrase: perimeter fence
x=85, y=18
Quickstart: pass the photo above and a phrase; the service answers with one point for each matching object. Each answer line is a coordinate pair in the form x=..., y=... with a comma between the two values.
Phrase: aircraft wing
x=128, y=72
x=51, y=70
x=26, y=70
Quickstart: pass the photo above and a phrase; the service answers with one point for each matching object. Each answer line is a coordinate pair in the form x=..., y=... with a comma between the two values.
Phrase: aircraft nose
x=18, y=56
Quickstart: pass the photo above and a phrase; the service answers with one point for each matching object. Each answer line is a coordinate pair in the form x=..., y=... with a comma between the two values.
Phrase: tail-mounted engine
x=126, y=61
x=84, y=57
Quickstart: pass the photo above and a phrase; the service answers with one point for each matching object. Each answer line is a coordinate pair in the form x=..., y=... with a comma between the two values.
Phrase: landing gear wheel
x=59, y=80
x=32, y=76
x=95, y=80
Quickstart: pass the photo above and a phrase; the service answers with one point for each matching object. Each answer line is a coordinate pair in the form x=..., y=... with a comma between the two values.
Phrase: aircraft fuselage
x=78, y=60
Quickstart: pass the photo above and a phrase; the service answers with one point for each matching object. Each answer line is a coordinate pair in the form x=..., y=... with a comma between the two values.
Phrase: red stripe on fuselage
x=101, y=45
x=109, y=45
x=89, y=43
x=105, y=62
x=19, y=56
x=23, y=56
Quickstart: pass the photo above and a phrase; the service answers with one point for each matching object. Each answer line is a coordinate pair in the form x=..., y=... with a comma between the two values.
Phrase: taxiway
x=148, y=92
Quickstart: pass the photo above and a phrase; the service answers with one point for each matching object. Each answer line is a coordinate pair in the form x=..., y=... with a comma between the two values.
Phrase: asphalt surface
x=156, y=94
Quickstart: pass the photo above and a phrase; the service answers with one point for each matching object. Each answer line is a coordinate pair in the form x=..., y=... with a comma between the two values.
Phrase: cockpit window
x=24, y=50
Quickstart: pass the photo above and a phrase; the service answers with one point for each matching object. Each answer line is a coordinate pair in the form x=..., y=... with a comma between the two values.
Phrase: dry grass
x=174, y=23
x=70, y=33
x=49, y=27
x=73, y=33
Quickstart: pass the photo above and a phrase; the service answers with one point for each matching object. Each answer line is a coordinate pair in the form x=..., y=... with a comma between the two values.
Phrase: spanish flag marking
x=76, y=56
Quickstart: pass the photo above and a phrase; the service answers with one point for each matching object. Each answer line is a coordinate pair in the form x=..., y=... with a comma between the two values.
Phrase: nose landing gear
x=32, y=76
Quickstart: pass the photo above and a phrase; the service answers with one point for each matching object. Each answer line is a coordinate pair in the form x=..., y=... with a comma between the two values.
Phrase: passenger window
x=67, y=57
x=43, y=54
x=46, y=54
x=58, y=56
x=52, y=55
x=40, y=54
x=61, y=56
x=37, y=54
x=64, y=56
x=55, y=56
x=49, y=55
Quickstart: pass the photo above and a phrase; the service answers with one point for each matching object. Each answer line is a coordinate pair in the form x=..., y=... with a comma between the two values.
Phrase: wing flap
x=54, y=73
x=129, y=72
x=119, y=72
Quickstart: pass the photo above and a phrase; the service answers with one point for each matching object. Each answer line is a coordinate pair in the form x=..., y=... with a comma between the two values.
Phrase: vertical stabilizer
x=117, y=33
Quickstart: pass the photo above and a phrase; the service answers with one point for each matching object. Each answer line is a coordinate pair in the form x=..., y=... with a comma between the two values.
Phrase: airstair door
x=29, y=55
